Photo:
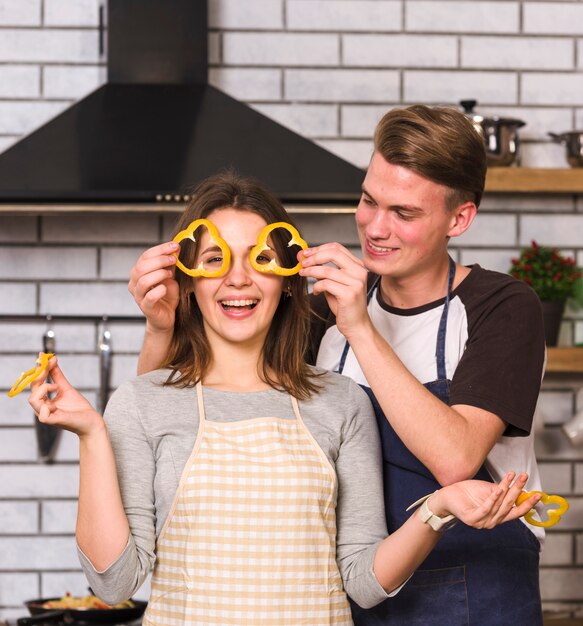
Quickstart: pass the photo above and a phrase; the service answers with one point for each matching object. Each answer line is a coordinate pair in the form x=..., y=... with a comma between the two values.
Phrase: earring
x=288, y=292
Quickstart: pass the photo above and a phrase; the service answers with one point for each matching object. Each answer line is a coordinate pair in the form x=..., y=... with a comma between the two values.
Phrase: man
x=451, y=357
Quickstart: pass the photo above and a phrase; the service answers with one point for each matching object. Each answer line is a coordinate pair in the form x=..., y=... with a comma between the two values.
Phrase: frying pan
x=38, y=613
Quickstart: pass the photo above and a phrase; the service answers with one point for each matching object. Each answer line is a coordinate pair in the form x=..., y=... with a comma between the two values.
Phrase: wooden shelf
x=527, y=180
x=565, y=360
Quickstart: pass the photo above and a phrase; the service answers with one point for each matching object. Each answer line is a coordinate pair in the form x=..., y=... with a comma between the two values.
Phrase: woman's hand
x=482, y=504
x=342, y=277
x=154, y=288
x=68, y=408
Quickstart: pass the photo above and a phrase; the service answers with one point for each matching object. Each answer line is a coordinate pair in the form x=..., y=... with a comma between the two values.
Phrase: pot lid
x=468, y=107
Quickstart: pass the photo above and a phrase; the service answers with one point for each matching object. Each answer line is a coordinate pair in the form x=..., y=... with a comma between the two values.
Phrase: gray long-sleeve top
x=153, y=429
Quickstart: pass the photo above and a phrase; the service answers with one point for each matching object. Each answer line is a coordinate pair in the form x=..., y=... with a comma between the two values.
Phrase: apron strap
x=296, y=409
x=440, y=343
x=201, y=414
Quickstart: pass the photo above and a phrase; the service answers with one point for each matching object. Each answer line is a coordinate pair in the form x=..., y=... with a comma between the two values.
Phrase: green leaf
x=578, y=291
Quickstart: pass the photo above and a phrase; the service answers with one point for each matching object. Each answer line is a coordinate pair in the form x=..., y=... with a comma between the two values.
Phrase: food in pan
x=86, y=602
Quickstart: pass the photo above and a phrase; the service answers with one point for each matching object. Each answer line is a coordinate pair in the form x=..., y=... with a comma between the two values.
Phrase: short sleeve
x=501, y=368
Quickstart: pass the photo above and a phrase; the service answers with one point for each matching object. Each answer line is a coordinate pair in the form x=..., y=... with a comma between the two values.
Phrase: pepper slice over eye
x=200, y=270
x=262, y=245
x=32, y=374
x=554, y=514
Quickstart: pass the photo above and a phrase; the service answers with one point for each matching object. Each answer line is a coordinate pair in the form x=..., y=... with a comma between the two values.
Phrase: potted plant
x=554, y=279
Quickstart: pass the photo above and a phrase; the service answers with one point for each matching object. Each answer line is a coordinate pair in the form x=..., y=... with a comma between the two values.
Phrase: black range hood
x=157, y=127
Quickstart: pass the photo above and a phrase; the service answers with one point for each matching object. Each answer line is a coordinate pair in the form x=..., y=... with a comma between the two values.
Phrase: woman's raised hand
x=481, y=504
x=154, y=288
x=66, y=408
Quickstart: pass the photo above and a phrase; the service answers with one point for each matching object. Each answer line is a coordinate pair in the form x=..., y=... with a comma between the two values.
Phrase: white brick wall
x=340, y=85
x=399, y=51
x=556, y=18
x=252, y=14
x=287, y=49
x=19, y=81
x=341, y=15
x=21, y=13
x=462, y=17
x=66, y=13
x=328, y=69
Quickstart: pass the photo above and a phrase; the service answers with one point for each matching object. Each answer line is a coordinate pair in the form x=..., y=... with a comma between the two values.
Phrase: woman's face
x=238, y=306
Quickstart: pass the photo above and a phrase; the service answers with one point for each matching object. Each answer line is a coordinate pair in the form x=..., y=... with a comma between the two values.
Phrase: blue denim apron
x=472, y=577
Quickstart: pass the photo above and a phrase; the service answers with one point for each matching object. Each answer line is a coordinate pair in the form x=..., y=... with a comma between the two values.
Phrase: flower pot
x=552, y=317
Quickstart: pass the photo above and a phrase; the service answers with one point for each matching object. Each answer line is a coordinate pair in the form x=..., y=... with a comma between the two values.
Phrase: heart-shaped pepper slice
x=32, y=374
x=553, y=514
x=200, y=270
x=273, y=266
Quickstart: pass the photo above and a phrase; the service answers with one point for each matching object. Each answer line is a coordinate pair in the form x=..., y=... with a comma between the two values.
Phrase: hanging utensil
x=104, y=347
x=47, y=435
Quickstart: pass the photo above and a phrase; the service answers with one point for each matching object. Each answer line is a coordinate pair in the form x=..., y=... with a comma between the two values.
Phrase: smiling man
x=451, y=357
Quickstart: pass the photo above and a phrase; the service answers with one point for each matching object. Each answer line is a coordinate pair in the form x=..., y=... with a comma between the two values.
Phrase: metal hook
x=104, y=347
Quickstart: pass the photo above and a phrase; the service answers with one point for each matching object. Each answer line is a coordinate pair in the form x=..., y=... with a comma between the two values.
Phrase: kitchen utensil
x=47, y=435
x=40, y=614
x=104, y=347
x=500, y=135
x=573, y=141
x=574, y=429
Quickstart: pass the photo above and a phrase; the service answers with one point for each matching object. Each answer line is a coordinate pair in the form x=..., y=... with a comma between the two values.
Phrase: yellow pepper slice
x=273, y=266
x=32, y=374
x=554, y=514
x=188, y=233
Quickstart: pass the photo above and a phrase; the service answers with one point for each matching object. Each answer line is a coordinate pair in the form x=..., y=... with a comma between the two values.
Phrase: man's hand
x=342, y=277
x=154, y=288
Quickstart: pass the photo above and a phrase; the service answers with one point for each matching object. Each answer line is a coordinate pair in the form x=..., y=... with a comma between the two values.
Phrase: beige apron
x=250, y=538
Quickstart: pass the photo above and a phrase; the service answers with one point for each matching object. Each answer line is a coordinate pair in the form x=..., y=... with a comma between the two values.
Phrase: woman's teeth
x=228, y=304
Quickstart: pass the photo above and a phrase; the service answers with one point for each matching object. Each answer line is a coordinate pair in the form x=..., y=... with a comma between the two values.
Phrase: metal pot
x=500, y=135
x=573, y=141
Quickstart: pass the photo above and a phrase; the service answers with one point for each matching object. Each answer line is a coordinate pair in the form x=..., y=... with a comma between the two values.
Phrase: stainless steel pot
x=573, y=141
x=500, y=135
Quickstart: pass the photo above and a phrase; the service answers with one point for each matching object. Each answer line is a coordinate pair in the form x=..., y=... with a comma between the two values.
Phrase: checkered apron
x=250, y=538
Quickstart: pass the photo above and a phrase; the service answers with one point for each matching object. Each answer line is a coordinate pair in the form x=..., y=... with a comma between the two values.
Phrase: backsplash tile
x=336, y=67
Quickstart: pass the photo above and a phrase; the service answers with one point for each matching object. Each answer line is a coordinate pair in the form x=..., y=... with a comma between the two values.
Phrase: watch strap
x=427, y=516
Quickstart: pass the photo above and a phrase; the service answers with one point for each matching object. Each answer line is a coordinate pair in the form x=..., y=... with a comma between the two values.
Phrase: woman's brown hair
x=189, y=356
x=438, y=143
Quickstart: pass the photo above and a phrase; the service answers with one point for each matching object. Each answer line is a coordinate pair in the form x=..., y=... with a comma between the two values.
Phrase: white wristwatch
x=439, y=524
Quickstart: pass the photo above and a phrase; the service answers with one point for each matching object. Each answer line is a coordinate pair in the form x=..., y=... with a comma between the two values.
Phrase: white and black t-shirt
x=494, y=355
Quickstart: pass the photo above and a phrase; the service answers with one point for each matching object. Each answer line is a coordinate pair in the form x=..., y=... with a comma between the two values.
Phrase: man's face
x=402, y=219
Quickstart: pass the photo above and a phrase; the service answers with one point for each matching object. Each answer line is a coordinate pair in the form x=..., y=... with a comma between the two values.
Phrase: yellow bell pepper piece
x=32, y=374
x=554, y=514
x=188, y=233
x=273, y=266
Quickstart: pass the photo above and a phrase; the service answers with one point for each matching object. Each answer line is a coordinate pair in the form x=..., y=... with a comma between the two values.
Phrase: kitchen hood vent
x=156, y=127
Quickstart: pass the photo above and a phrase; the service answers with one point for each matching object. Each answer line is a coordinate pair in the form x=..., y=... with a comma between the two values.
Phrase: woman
x=249, y=481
